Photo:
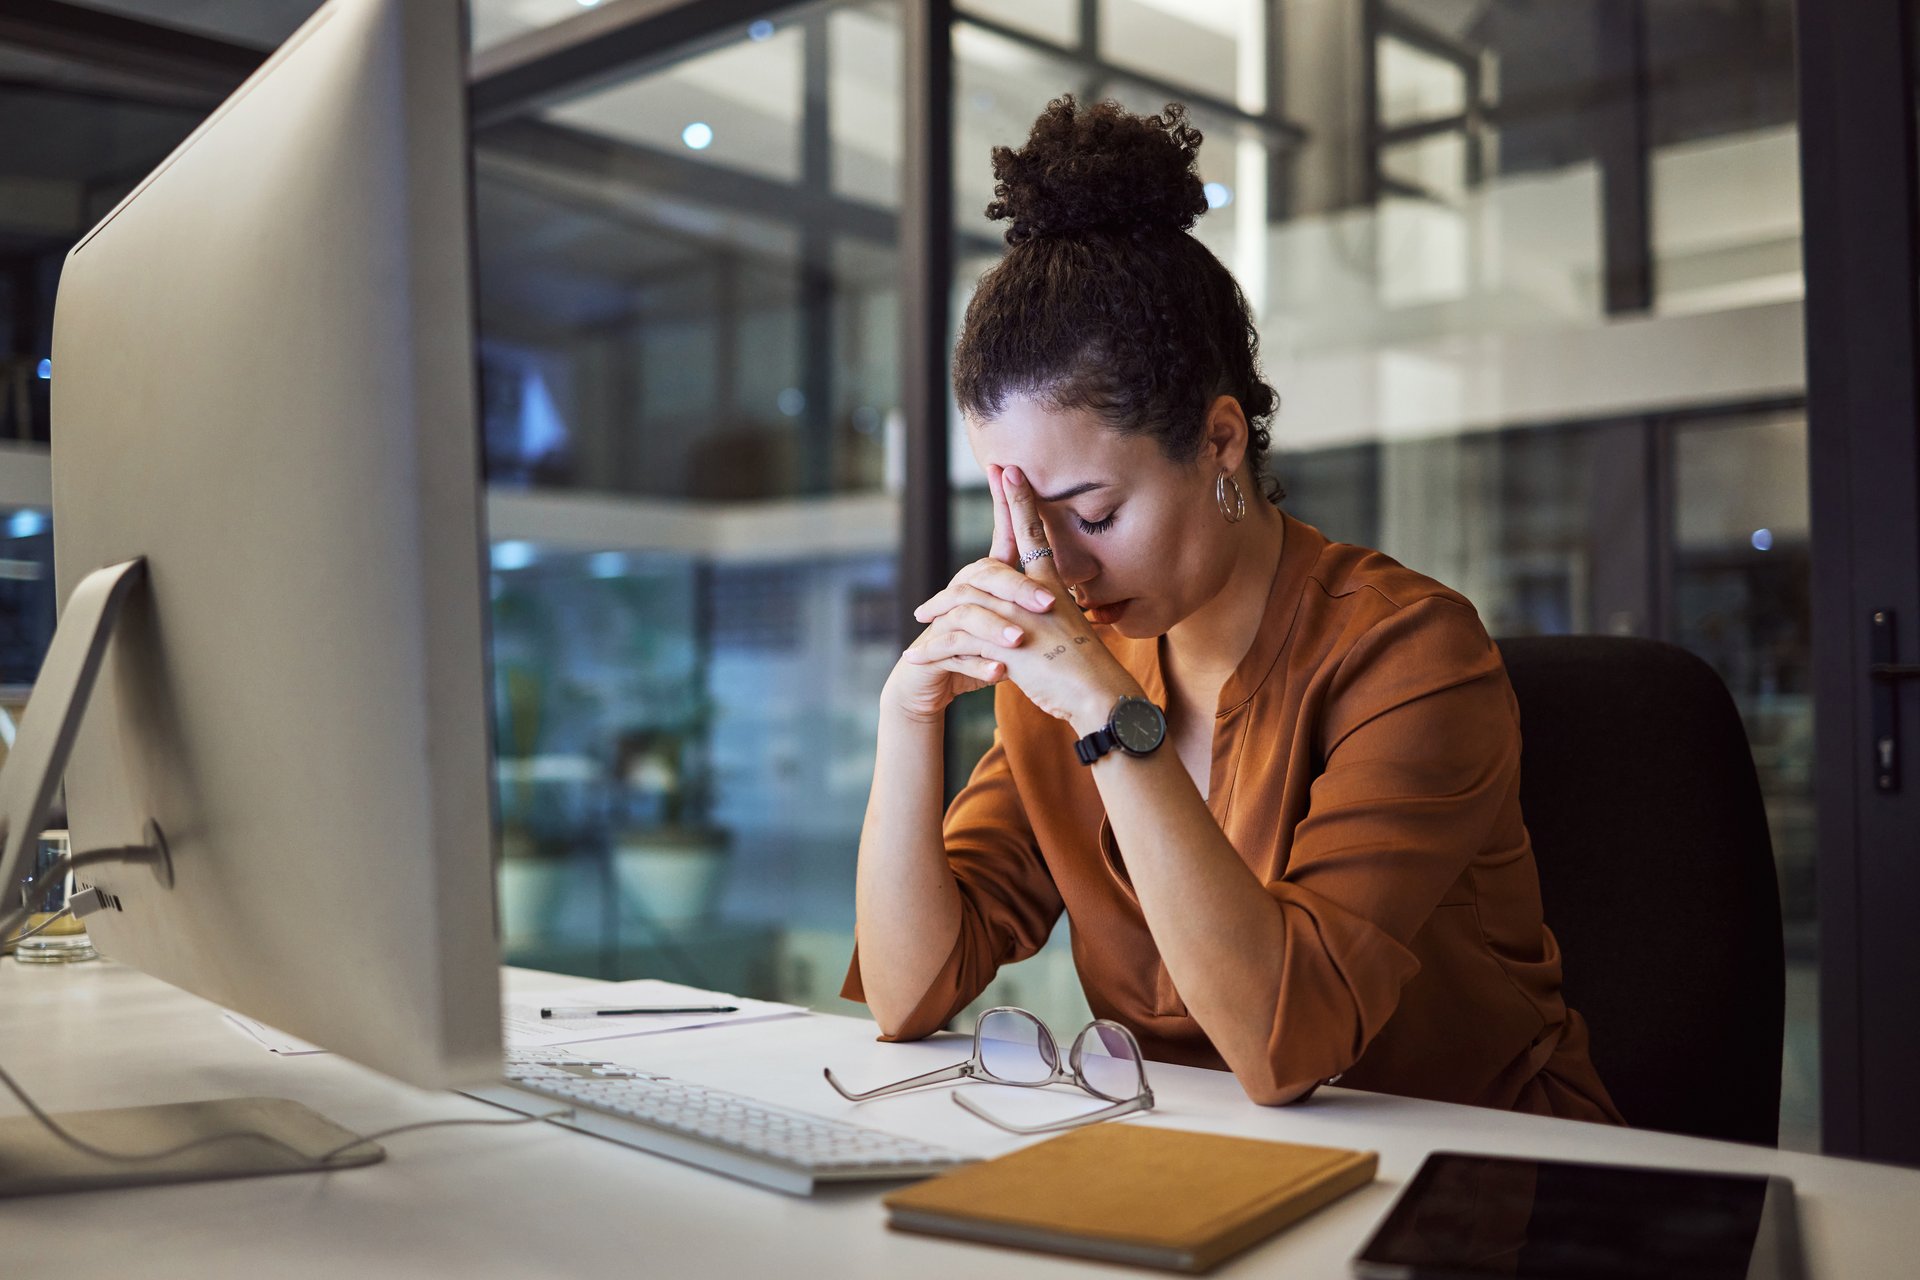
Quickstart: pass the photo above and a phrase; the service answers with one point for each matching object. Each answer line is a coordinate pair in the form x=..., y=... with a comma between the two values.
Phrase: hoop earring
x=1234, y=508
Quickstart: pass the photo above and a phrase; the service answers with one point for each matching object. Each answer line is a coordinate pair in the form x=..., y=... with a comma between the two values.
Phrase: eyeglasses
x=1011, y=1046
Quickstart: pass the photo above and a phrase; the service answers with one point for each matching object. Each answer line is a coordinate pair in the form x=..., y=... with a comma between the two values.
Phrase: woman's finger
x=972, y=629
x=1007, y=582
x=943, y=643
x=986, y=624
x=966, y=664
x=1003, y=548
x=962, y=662
x=1029, y=530
x=1003, y=587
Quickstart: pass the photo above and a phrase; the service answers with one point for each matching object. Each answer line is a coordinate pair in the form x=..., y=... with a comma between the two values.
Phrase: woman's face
x=1138, y=538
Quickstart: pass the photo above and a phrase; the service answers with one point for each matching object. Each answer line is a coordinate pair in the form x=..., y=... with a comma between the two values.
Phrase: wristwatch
x=1135, y=726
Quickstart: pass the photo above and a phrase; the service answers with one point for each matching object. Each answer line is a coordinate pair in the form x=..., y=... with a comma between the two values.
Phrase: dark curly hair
x=1103, y=301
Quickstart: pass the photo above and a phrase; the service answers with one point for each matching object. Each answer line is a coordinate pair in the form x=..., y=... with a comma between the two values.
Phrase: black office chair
x=1657, y=876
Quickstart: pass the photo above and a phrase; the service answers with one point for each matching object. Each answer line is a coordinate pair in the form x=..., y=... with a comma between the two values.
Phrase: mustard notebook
x=1131, y=1193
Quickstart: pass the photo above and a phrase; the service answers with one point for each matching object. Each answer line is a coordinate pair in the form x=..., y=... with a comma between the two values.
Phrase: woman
x=1318, y=869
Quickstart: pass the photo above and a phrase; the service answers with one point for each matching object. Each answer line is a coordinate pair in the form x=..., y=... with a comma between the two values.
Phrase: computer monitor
x=264, y=396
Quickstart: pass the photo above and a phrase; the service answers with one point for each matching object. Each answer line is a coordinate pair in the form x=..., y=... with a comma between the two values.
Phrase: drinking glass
x=61, y=941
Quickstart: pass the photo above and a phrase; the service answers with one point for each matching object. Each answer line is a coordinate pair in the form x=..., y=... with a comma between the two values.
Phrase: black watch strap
x=1095, y=745
x=1125, y=718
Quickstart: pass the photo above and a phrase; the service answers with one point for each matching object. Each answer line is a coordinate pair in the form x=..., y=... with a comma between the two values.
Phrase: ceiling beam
x=614, y=39
x=1277, y=129
x=129, y=46
x=625, y=164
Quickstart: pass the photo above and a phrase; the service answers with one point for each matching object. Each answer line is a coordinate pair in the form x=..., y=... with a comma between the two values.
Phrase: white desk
x=536, y=1201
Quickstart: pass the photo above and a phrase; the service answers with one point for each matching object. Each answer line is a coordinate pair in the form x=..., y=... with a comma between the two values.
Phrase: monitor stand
x=125, y=1146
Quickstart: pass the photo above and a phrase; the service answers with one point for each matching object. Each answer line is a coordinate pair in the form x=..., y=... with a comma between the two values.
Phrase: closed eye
x=1095, y=526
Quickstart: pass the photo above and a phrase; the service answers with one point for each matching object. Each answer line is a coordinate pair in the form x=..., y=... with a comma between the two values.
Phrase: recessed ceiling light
x=512, y=555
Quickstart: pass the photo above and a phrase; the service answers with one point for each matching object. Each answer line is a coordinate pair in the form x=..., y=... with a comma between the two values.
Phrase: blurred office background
x=1529, y=281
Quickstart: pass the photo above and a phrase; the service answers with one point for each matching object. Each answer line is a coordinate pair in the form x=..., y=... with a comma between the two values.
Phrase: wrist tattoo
x=1054, y=652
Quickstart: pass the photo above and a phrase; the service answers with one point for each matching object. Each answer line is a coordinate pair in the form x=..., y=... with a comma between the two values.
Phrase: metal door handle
x=1885, y=673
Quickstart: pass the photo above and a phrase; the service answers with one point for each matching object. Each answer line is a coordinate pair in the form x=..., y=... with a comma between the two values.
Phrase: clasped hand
x=992, y=622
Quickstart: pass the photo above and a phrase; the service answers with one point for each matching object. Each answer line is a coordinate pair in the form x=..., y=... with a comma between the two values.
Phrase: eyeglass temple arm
x=958, y=1071
x=1142, y=1103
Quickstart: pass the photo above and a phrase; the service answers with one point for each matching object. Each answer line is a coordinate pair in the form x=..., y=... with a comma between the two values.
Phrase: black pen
x=563, y=1011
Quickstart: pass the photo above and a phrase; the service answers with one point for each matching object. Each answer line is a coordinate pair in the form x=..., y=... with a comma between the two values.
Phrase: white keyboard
x=727, y=1133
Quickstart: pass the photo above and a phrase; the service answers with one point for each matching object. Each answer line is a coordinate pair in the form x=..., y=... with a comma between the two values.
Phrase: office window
x=496, y=22
x=737, y=107
x=73, y=142
x=689, y=301
x=865, y=88
x=1057, y=21
x=677, y=301
x=1724, y=168
x=1214, y=48
x=26, y=595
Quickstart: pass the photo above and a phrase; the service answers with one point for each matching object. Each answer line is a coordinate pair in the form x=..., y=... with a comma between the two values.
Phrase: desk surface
x=536, y=1201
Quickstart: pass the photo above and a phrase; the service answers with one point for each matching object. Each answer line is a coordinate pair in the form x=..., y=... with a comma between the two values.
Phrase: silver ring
x=1038, y=553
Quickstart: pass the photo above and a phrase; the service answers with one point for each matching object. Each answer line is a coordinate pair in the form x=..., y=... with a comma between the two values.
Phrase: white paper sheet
x=275, y=1041
x=524, y=1028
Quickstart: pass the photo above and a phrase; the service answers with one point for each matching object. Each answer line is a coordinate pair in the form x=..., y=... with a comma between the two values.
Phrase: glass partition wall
x=691, y=403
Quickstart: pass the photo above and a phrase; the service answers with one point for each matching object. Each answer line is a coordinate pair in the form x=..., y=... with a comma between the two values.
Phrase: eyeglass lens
x=1109, y=1063
x=1016, y=1048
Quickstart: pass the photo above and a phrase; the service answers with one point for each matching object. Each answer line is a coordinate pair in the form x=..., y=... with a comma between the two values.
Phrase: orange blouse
x=1366, y=766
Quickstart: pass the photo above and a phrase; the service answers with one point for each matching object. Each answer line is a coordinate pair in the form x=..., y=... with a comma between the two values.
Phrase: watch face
x=1138, y=725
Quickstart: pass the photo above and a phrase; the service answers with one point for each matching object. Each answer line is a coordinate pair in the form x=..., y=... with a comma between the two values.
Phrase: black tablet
x=1467, y=1217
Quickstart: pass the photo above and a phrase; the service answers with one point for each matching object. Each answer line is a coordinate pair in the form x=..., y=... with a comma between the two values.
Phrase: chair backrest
x=1656, y=872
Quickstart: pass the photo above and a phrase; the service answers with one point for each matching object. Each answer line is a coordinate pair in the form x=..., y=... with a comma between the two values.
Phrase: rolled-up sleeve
x=1421, y=742
x=1008, y=902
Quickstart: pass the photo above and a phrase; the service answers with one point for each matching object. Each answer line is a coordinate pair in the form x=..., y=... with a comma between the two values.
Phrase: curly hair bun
x=1101, y=169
